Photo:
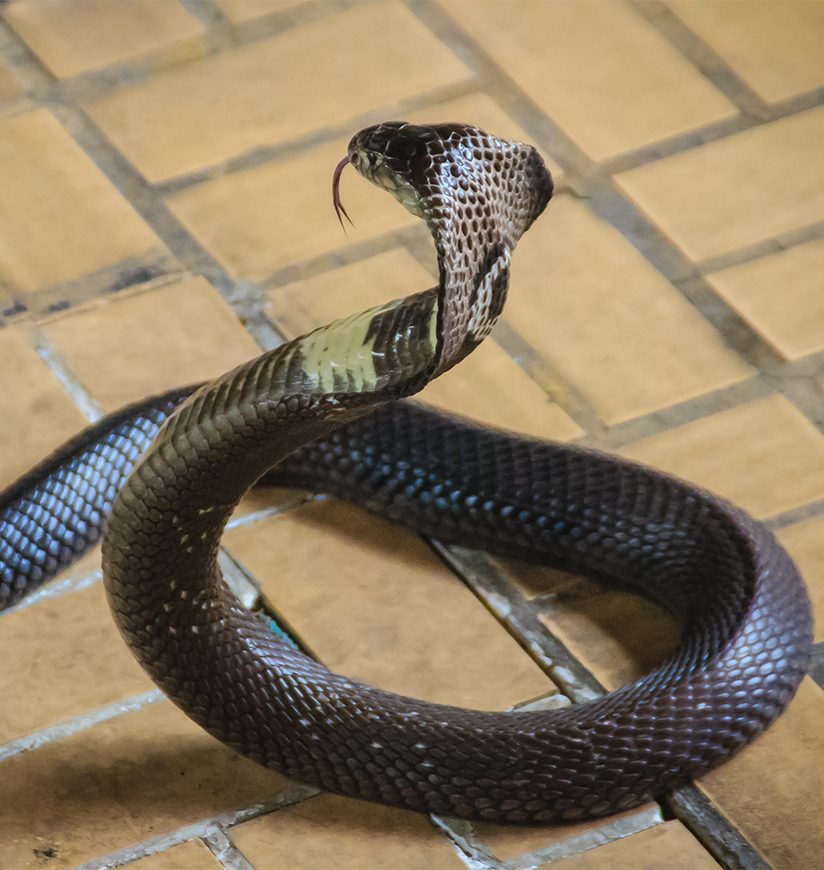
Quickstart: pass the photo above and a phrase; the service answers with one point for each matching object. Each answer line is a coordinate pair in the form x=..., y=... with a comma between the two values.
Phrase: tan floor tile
x=331, y=831
x=508, y=841
x=482, y=111
x=774, y=46
x=133, y=777
x=765, y=456
x=187, y=856
x=491, y=388
x=781, y=296
x=303, y=305
x=374, y=603
x=736, y=191
x=618, y=636
x=262, y=219
x=509, y=398
x=238, y=11
x=36, y=415
x=276, y=89
x=587, y=301
x=10, y=88
x=71, y=38
x=593, y=76
x=772, y=789
x=805, y=543
x=150, y=341
x=71, y=650
x=60, y=218
x=669, y=845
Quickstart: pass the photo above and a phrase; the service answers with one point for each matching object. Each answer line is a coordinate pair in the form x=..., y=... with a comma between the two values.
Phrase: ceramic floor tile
x=187, y=856
x=259, y=220
x=618, y=637
x=331, y=831
x=240, y=11
x=276, y=89
x=120, y=782
x=303, y=305
x=60, y=218
x=781, y=296
x=587, y=65
x=774, y=46
x=805, y=543
x=669, y=845
x=36, y=415
x=491, y=388
x=69, y=648
x=10, y=88
x=374, y=603
x=585, y=299
x=765, y=455
x=150, y=341
x=772, y=789
x=71, y=38
x=762, y=182
x=509, y=397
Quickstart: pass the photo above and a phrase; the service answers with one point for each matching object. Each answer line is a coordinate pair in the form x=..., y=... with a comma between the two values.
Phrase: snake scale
x=329, y=410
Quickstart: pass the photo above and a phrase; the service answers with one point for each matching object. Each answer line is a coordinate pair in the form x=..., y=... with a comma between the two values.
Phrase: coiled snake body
x=327, y=410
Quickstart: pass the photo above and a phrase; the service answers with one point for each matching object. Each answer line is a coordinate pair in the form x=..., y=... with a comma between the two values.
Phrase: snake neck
x=495, y=190
x=478, y=195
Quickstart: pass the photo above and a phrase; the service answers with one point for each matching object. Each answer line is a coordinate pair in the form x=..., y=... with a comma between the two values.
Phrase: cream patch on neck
x=341, y=357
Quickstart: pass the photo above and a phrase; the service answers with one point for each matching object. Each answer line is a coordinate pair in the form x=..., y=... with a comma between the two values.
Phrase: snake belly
x=329, y=410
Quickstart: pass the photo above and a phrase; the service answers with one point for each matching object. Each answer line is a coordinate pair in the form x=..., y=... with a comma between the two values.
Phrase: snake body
x=329, y=410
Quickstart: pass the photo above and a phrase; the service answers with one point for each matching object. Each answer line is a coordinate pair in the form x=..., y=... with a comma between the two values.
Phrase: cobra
x=329, y=410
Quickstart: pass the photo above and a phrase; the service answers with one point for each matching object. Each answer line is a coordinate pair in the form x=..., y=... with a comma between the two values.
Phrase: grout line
x=243, y=296
x=713, y=830
x=791, y=517
x=558, y=388
x=79, y=723
x=225, y=851
x=78, y=394
x=56, y=590
x=704, y=58
x=207, y=12
x=273, y=510
x=292, y=794
x=783, y=241
x=678, y=414
x=347, y=254
x=493, y=587
x=263, y=155
x=610, y=831
x=817, y=665
x=145, y=271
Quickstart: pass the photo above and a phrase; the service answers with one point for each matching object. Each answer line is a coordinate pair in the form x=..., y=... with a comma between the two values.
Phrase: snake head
x=478, y=195
x=426, y=166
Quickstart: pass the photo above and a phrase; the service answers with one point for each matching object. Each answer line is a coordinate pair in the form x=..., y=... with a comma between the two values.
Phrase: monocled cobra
x=328, y=408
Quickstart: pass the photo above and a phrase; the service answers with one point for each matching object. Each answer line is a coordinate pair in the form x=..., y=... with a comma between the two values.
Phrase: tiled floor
x=165, y=213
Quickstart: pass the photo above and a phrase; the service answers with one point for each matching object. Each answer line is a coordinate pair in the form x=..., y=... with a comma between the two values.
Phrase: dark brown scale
x=747, y=633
